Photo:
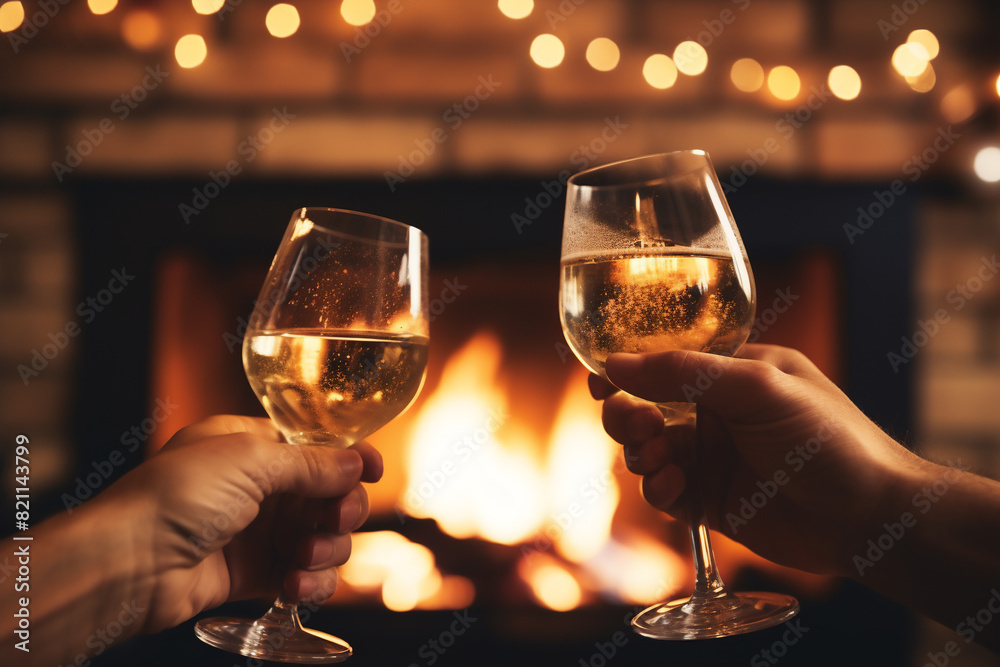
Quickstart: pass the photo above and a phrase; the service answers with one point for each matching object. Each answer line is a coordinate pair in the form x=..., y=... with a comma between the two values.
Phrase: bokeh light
x=924, y=81
x=691, y=58
x=958, y=104
x=928, y=40
x=987, y=164
x=101, y=7
x=190, y=51
x=282, y=20
x=358, y=12
x=547, y=50
x=516, y=9
x=910, y=59
x=11, y=15
x=844, y=82
x=747, y=75
x=603, y=54
x=784, y=83
x=207, y=7
x=659, y=71
x=141, y=29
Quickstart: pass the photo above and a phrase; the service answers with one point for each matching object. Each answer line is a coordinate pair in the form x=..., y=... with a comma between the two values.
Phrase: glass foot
x=276, y=636
x=701, y=618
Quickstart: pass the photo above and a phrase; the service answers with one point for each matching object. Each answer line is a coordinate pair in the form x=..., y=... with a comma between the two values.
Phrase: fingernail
x=322, y=552
x=350, y=513
x=624, y=364
x=351, y=464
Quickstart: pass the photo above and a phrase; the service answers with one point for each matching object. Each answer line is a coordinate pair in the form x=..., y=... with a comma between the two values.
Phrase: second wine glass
x=652, y=261
x=336, y=348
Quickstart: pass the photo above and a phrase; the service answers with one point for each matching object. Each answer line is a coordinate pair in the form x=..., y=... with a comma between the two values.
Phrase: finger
x=312, y=587
x=662, y=488
x=345, y=514
x=372, y=458
x=629, y=420
x=310, y=471
x=734, y=388
x=320, y=551
x=225, y=425
x=648, y=457
x=785, y=359
x=599, y=387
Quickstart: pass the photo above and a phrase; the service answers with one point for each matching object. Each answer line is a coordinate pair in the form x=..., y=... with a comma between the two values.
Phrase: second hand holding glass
x=336, y=348
x=652, y=261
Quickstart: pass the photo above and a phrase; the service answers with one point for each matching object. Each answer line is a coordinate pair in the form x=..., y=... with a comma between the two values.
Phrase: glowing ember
x=551, y=583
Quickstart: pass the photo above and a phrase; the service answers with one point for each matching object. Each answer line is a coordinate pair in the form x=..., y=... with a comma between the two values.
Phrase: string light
x=358, y=12
x=691, y=58
x=11, y=16
x=959, y=104
x=910, y=59
x=100, y=7
x=282, y=20
x=784, y=83
x=547, y=51
x=926, y=39
x=844, y=82
x=659, y=71
x=603, y=54
x=747, y=75
x=987, y=164
x=516, y=9
x=141, y=29
x=190, y=51
x=207, y=7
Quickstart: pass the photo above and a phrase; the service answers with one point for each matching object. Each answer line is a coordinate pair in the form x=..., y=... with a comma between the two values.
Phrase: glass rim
x=298, y=213
x=573, y=180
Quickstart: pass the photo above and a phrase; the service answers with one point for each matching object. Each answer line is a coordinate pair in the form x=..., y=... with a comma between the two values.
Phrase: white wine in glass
x=335, y=349
x=652, y=261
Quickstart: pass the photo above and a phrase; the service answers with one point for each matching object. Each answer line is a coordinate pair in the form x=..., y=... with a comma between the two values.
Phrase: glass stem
x=282, y=615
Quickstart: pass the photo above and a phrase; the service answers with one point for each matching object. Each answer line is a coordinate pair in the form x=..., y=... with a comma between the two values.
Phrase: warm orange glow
x=928, y=40
x=603, y=54
x=190, y=51
x=844, y=82
x=551, y=583
x=640, y=570
x=783, y=82
x=516, y=9
x=959, y=104
x=747, y=75
x=282, y=20
x=910, y=59
x=924, y=81
x=998, y=85
x=547, y=51
x=11, y=15
x=357, y=12
x=659, y=71
x=403, y=572
x=141, y=29
x=207, y=7
x=987, y=164
x=101, y=7
x=691, y=58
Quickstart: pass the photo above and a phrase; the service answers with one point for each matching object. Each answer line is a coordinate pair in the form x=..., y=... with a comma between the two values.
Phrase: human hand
x=790, y=467
x=226, y=511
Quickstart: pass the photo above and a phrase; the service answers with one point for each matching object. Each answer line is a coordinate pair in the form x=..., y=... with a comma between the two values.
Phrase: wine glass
x=652, y=261
x=335, y=349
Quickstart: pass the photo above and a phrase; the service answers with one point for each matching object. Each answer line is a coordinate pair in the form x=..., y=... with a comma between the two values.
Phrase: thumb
x=733, y=388
x=310, y=470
